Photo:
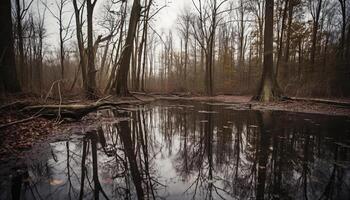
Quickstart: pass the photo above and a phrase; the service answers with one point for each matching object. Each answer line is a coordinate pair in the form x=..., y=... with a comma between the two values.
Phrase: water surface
x=191, y=151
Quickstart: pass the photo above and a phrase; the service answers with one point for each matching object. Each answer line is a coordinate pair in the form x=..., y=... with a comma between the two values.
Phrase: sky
x=165, y=20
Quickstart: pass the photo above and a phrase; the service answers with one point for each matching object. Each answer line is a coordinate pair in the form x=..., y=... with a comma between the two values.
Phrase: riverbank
x=21, y=130
x=336, y=107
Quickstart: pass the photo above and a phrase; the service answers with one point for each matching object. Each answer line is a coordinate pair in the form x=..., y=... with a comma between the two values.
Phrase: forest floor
x=19, y=130
x=339, y=107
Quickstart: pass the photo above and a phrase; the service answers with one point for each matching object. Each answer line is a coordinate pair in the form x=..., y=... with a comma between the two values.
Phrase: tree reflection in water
x=173, y=151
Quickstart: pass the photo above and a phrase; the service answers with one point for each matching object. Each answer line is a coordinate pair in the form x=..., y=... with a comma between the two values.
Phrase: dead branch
x=18, y=121
x=73, y=111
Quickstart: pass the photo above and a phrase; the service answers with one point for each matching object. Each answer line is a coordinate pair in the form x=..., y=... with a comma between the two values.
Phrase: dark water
x=191, y=151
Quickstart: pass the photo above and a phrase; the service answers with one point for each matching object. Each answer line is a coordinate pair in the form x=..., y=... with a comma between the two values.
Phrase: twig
x=19, y=121
x=10, y=104
x=59, y=109
x=48, y=93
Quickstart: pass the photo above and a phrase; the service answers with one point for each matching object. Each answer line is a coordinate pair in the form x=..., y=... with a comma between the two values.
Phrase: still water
x=191, y=151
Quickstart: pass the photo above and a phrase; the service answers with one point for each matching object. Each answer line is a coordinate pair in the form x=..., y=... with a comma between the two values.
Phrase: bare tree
x=64, y=28
x=257, y=8
x=185, y=25
x=343, y=10
x=111, y=80
x=268, y=88
x=315, y=7
x=8, y=75
x=78, y=13
x=21, y=11
x=204, y=29
x=91, y=76
x=241, y=24
x=121, y=81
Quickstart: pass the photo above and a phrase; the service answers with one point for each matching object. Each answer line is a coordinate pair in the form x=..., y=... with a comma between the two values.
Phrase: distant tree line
x=269, y=49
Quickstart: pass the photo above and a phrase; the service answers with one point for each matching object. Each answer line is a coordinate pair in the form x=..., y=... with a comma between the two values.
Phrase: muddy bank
x=20, y=129
x=20, y=137
x=337, y=107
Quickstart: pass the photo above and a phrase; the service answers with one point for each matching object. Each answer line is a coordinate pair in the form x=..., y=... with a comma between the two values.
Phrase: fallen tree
x=73, y=111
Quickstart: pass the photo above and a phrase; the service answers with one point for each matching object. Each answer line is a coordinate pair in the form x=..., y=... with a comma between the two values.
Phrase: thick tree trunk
x=268, y=90
x=82, y=61
x=20, y=47
x=8, y=73
x=91, y=77
x=121, y=88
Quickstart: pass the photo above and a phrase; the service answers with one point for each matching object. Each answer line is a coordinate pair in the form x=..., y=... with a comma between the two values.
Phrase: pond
x=190, y=151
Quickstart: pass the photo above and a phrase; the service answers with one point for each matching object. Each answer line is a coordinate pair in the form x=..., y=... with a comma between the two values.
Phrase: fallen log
x=323, y=101
x=73, y=111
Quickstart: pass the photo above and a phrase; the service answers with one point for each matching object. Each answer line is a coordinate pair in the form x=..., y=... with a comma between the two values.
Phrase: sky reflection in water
x=193, y=151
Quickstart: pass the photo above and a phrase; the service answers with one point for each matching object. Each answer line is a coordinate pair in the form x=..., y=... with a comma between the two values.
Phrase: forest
x=214, y=47
x=227, y=94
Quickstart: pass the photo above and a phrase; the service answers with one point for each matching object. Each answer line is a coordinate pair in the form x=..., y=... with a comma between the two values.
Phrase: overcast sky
x=163, y=21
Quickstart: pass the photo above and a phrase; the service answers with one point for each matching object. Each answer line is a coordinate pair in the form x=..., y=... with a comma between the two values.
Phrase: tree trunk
x=314, y=34
x=9, y=82
x=268, y=90
x=121, y=88
x=289, y=30
x=91, y=80
x=186, y=51
x=61, y=44
x=82, y=61
x=20, y=47
x=144, y=62
x=280, y=45
x=343, y=29
x=347, y=52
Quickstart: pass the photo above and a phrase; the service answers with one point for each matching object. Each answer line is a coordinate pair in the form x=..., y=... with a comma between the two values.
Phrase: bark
x=91, y=77
x=241, y=37
x=316, y=18
x=280, y=45
x=121, y=88
x=111, y=79
x=104, y=58
x=79, y=34
x=9, y=82
x=144, y=62
x=268, y=89
x=140, y=53
x=347, y=52
x=20, y=45
x=343, y=29
x=289, y=30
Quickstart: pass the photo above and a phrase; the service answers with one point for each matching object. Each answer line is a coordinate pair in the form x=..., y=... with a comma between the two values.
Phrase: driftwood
x=73, y=111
